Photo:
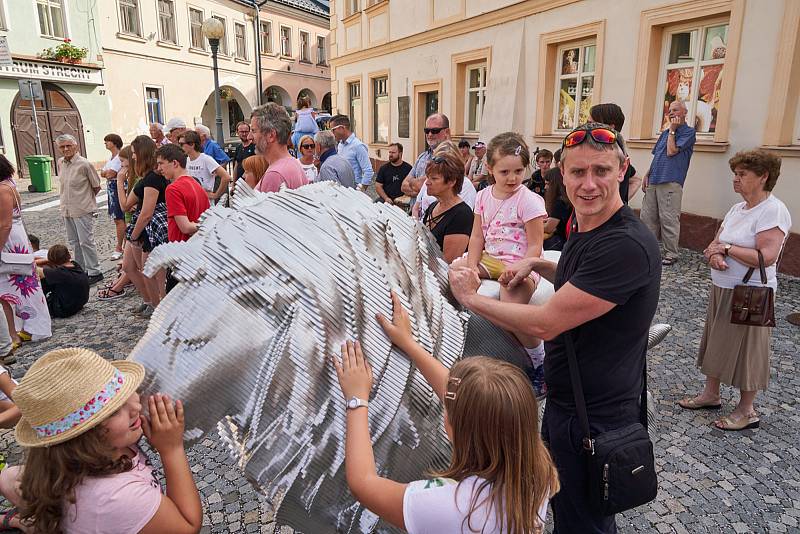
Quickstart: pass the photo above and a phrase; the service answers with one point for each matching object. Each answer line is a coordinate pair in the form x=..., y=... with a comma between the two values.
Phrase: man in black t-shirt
x=607, y=285
x=243, y=151
x=391, y=175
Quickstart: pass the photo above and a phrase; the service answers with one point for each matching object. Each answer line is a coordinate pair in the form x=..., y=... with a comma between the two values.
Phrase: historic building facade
x=536, y=66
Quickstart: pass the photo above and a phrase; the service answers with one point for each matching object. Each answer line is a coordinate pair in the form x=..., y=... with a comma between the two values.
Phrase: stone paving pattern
x=710, y=480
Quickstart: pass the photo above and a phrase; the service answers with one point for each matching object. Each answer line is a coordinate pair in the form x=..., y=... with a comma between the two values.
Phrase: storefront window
x=694, y=59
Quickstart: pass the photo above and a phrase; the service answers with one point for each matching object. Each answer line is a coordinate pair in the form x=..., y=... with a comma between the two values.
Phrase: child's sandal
x=8, y=515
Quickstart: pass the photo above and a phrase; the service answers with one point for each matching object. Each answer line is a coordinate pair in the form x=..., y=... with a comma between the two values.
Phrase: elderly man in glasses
x=607, y=285
x=353, y=150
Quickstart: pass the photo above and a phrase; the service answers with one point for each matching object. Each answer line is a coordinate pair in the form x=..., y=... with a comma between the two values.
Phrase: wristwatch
x=728, y=249
x=355, y=402
x=672, y=132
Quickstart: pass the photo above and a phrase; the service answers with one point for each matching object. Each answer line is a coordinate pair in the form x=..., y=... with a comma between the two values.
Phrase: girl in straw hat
x=81, y=421
x=500, y=476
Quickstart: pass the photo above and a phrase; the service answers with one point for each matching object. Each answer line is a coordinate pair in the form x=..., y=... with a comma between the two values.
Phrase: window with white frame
x=352, y=6
x=196, y=39
x=240, y=38
x=693, y=60
x=154, y=105
x=380, y=110
x=166, y=21
x=354, y=94
x=475, y=97
x=305, y=53
x=286, y=41
x=575, y=84
x=266, y=37
x=129, y=17
x=322, y=53
x=223, y=41
x=51, y=18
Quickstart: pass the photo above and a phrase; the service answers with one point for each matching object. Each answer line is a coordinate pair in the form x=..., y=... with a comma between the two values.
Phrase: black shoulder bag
x=620, y=463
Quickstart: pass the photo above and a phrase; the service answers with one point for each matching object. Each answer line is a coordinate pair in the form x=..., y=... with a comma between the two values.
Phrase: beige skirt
x=737, y=355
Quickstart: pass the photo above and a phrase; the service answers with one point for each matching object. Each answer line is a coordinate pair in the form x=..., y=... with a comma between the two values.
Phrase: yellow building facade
x=536, y=66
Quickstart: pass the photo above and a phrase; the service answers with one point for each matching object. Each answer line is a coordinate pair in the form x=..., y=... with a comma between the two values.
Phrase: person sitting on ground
x=306, y=151
x=333, y=167
x=39, y=254
x=543, y=160
x=500, y=476
x=203, y=167
x=64, y=282
x=254, y=169
x=9, y=413
x=508, y=228
x=84, y=471
x=449, y=218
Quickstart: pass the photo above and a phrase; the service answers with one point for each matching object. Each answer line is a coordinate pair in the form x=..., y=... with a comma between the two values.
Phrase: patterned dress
x=24, y=293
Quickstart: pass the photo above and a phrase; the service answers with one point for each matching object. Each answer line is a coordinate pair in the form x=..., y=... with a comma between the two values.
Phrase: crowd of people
x=492, y=208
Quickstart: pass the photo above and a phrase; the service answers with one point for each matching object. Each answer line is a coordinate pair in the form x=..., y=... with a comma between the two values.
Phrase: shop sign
x=39, y=70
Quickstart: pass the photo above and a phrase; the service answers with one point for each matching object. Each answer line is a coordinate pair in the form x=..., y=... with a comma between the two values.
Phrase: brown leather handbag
x=753, y=305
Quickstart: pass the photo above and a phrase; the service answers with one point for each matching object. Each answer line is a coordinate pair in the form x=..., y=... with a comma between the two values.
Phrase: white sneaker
x=116, y=255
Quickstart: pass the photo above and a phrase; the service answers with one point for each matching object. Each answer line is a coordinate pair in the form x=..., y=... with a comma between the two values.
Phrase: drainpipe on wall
x=257, y=5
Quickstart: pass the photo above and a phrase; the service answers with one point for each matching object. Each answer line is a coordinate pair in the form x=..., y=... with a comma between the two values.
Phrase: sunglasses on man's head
x=605, y=136
x=337, y=127
x=306, y=146
x=433, y=131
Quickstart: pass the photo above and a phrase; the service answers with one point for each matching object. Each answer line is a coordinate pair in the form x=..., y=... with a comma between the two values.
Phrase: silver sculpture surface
x=268, y=290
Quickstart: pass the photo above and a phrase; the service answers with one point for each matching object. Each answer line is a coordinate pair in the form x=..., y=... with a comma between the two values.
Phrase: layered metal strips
x=268, y=290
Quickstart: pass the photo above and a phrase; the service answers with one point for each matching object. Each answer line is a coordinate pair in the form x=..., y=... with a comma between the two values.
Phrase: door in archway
x=56, y=115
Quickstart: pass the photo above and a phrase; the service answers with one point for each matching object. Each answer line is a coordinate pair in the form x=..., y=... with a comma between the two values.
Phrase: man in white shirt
x=203, y=167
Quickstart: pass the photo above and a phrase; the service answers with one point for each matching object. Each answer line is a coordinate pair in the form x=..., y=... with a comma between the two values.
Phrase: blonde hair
x=300, y=142
x=494, y=417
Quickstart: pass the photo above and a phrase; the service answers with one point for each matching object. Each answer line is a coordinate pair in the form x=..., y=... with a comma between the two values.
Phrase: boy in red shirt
x=186, y=199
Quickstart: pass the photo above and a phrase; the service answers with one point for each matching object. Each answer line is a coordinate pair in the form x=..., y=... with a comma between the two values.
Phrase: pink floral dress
x=24, y=293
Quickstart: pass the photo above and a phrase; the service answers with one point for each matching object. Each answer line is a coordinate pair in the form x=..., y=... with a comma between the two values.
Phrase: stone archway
x=235, y=108
x=326, y=103
x=279, y=95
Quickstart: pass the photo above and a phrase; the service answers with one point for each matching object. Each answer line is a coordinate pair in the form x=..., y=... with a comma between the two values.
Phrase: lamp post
x=214, y=31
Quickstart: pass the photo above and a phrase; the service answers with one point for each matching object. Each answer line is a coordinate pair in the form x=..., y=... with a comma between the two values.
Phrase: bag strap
x=761, y=269
x=580, y=401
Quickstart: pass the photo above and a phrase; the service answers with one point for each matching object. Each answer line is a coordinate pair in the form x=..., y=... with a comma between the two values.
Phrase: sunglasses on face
x=604, y=136
x=434, y=131
x=306, y=146
x=337, y=127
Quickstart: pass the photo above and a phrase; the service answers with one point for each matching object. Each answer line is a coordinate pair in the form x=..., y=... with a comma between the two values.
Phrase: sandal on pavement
x=742, y=423
x=690, y=403
x=668, y=261
x=109, y=293
x=24, y=336
x=8, y=515
x=9, y=358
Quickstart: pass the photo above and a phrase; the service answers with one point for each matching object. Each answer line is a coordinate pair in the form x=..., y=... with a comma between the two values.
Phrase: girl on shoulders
x=508, y=227
x=500, y=476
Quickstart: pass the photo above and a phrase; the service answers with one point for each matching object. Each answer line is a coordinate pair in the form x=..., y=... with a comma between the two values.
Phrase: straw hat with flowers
x=69, y=391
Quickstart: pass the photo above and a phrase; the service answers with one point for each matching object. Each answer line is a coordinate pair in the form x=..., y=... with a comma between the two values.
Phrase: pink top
x=503, y=222
x=284, y=171
x=115, y=504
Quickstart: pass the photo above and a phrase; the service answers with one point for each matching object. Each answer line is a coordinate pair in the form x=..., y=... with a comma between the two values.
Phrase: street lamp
x=214, y=31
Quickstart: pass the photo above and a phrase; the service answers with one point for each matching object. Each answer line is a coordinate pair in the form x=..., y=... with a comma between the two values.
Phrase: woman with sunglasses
x=306, y=153
x=449, y=218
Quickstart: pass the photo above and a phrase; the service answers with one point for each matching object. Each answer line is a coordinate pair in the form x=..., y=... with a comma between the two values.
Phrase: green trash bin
x=39, y=169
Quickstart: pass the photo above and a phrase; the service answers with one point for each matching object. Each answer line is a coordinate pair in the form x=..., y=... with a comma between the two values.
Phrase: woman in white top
x=306, y=152
x=734, y=354
x=500, y=476
x=203, y=167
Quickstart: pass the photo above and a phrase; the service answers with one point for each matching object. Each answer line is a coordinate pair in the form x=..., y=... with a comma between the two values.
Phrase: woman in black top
x=65, y=283
x=148, y=227
x=449, y=219
x=559, y=210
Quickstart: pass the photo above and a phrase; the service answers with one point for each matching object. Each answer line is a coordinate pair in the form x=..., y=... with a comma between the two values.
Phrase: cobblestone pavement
x=710, y=481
